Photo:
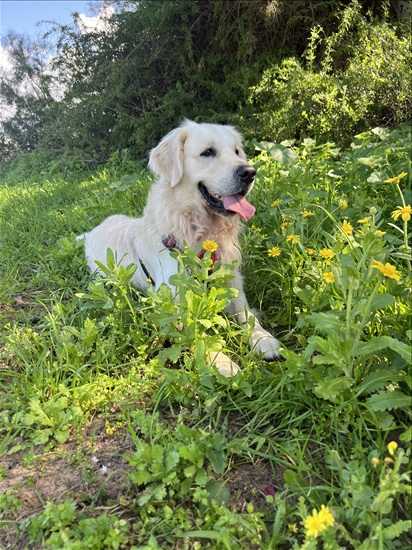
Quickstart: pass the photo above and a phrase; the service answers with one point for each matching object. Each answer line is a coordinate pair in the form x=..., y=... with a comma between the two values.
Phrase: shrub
x=356, y=78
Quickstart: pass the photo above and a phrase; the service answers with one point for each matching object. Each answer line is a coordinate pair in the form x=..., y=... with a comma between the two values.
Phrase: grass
x=309, y=452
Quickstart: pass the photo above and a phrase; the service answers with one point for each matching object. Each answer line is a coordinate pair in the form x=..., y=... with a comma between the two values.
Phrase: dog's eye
x=237, y=151
x=208, y=152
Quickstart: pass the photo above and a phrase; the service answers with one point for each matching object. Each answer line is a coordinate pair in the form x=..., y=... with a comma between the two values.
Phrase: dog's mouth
x=228, y=205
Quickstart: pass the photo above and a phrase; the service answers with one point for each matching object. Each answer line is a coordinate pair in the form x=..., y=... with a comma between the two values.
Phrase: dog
x=200, y=194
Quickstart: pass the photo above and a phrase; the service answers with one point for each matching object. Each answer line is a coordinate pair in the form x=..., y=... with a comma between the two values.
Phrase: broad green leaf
x=218, y=491
x=388, y=400
x=381, y=342
x=378, y=379
x=395, y=530
x=332, y=388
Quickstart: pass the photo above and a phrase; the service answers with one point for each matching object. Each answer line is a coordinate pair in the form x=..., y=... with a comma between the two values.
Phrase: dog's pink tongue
x=238, y=204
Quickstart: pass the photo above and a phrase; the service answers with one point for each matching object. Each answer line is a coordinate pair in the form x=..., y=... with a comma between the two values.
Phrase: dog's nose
x=246, y=173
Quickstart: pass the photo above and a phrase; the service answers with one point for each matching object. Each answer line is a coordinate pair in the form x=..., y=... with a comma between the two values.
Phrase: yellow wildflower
x=392, y=446
x=375, y=461
x=347, y=228
x=326, y=254
x=379, y=233
x=387, y=270
x=404, y=211
x=360, y=234
x=276, y=202
x=293, y=527
x=109, y=429
x=396, y=178
x=273, y=252
x=211, y=246
x=307, y=214
x=364, y=220
x=388, y=461
x=326, y=516
x=329, y=277
x=310, y=251
x=314, y=524
x=284, y=225
x=343, y=204
x=294, y=239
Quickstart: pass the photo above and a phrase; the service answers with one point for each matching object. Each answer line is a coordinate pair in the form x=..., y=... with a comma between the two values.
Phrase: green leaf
x=332, y=389
x=218, y=492
x=295, y=481
x=381, y=342
x=395, y=530
x=378, y=379
x=388, y=400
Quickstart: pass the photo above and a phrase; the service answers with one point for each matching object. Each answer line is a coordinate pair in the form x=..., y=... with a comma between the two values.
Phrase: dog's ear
x=166, y=159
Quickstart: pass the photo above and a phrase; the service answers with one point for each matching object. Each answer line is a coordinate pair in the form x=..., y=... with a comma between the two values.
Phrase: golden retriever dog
x=200, y=195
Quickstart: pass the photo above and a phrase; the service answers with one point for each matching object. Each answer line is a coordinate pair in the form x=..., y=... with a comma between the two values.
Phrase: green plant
x=330, y=92
x=63, y=526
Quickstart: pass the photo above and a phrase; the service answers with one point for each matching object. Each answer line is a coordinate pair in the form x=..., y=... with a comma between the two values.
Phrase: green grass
x=74, y=350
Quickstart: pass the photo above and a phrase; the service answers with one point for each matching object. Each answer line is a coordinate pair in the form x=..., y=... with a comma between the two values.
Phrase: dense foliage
x=327, y=259
x=325, y=68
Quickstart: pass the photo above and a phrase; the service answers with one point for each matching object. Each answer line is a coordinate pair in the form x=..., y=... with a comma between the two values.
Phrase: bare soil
x=94, y=471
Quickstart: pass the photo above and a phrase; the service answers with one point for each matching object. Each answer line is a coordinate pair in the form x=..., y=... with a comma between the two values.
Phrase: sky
x=22, y=15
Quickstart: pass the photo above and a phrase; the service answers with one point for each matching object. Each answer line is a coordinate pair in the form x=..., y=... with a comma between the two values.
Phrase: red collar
x=171, y=243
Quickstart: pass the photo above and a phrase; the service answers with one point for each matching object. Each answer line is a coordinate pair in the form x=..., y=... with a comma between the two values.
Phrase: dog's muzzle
x=235, y=202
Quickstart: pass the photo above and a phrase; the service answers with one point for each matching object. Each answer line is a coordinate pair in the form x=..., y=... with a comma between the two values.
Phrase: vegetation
x=325, y=69
x=106, y=391
x=328, y=261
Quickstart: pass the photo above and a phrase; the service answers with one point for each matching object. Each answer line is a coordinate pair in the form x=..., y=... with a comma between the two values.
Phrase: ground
x=94, y=470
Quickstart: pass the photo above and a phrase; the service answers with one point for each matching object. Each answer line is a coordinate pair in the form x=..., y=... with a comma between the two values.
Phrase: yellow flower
x=343, y=203
x=294, y=239
x=292, y=527
x=392, y=446
x=326, y=254
x=326, y=516
x=276, y=202
x=310, y=251
x=109, y=429
x=379, y=233
x=387, y=270
x=364, y=220
x=307, y=214
x=211, y=246
x=314, y=524
x=273, y=252
x=329, y=277
x=284, y=225
x=404, y=211
x=347, y=228
x=375, y=462
x=388, y=461
x=396, y=178
x=360, y=234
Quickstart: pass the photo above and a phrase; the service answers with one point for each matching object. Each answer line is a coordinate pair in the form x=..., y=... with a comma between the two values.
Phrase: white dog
x=200, y=195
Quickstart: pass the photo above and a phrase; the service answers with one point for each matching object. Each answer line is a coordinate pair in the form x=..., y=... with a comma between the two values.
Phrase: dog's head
x=209, y=160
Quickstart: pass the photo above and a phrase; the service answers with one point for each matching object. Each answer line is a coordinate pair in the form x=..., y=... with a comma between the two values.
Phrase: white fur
x=176, y=206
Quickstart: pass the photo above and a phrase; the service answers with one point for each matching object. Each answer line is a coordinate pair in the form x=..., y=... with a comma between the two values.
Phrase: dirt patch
x=94, y=472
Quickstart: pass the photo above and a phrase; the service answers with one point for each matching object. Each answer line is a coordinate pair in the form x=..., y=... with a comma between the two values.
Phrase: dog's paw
x=223, y=363
x=264, y=343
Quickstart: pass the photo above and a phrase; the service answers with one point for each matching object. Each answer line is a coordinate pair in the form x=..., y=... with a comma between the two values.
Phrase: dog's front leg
x=261, y=340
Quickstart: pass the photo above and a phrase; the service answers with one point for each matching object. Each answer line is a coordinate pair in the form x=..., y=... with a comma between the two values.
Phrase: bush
x=357, y=78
